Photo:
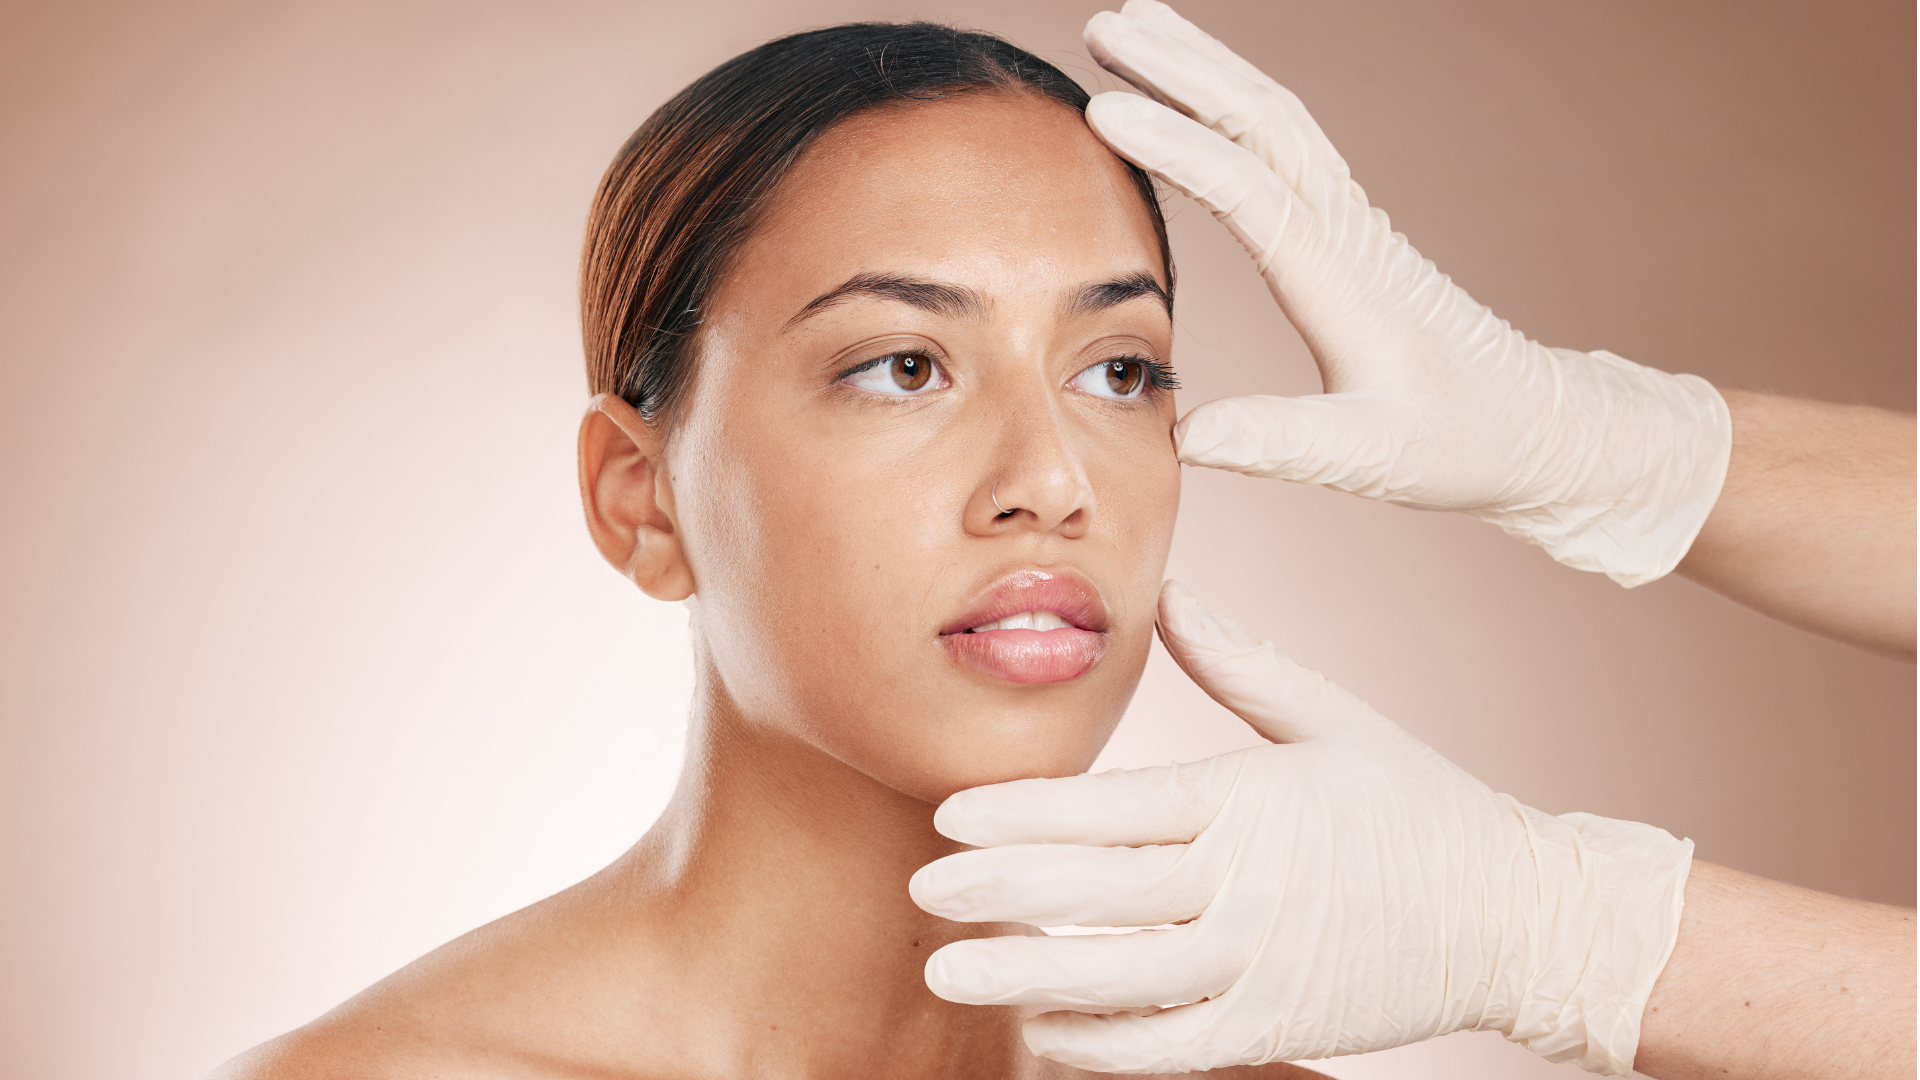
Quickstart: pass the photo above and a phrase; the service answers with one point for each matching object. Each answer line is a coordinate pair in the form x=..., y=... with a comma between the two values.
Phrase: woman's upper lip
x=1066, y=592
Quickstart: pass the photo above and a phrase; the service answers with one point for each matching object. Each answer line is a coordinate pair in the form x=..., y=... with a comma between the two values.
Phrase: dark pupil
x=911, y=372
x=1123, y=378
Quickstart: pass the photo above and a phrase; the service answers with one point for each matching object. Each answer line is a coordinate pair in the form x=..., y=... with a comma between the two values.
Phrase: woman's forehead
x=1002, y=189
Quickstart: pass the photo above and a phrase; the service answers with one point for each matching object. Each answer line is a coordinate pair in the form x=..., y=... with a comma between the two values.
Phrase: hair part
x=684, y=191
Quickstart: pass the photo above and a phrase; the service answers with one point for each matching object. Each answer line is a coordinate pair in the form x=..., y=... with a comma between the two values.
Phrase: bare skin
x=677, y=961
x=1815, y=526
x=1772, y=981
x=823, y=533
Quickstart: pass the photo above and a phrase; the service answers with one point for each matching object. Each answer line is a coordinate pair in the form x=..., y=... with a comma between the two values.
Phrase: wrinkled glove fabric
x=1344, y=890
x=1431, y=401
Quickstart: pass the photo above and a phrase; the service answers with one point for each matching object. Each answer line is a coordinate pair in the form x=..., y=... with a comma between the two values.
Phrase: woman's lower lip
x=1029, y=656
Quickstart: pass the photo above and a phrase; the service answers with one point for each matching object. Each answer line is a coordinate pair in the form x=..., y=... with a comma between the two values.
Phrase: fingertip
x=1155, y=14
x=1198, y=435
x=1175, y=591
x=1266, y=435
x=938, y=975
x=923, y=890
x=1112, y=108
x=1195, y=625
x=952, y=888
x=1177, y=604
x=1103, y=36
x=964, y=972
x=1052, y=1036
x=1097, y=28
x=957, y=818
x=1096, y=1043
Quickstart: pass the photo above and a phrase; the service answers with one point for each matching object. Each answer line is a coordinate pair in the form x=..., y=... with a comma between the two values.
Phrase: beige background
x=308, y=664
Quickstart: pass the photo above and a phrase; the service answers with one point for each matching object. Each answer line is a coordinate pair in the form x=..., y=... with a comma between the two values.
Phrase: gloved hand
x=1348, y=889
x=1431, y=400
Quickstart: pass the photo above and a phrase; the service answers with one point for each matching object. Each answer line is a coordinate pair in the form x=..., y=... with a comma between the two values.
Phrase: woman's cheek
x=1143, y=496
x=842, y=538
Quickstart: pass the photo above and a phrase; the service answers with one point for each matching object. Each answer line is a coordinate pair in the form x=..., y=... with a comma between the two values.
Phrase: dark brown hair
x=681, y=194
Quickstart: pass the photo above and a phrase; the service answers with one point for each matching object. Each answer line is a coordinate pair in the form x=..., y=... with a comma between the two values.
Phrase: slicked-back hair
x=684, y=191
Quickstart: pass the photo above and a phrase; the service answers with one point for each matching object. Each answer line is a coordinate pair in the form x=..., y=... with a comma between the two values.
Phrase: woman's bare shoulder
x=383, y=1033
x=322, y=1051
x=521, y=997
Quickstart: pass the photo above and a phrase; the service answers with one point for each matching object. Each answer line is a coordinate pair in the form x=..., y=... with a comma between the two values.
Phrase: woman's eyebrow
x=934, y=296
x=1105, y=294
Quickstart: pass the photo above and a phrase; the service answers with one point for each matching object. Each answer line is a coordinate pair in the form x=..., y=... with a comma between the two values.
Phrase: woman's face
x=947, y=305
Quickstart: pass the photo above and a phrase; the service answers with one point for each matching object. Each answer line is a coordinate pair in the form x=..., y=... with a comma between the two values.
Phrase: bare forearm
x=1770, y=980
x=1815, y=525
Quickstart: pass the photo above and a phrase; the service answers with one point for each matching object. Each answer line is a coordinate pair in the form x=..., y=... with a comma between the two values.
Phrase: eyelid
x=858, y=368
x=940, y=380
x=1132, y=348
x=889, y=350
x=1159, y=374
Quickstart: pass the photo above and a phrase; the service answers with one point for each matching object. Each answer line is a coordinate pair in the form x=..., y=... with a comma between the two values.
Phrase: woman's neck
x=784, y=873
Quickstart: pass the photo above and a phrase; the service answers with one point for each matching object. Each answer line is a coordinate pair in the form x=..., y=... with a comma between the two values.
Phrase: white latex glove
x=1431, y=400
x=1349, y=890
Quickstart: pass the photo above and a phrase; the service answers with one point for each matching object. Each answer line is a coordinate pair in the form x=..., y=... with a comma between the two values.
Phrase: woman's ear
x=628, y=497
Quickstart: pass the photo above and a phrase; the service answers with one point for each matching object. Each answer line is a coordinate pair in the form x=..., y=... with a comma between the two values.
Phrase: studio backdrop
x=309, y=664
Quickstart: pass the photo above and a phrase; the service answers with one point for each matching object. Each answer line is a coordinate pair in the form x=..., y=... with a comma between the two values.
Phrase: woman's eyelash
x=860, y=367
x=1159, y=372
x=867, y=365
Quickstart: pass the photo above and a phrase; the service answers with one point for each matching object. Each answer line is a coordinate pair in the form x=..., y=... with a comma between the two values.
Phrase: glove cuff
x=1610, y=914
x=1673, y=436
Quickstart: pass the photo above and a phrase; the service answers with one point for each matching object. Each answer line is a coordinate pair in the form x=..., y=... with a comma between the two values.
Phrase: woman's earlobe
x=628, y=499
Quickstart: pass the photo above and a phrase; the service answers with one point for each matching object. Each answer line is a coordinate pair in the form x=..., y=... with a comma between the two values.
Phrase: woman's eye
x=1113, y=379
x=902, y=375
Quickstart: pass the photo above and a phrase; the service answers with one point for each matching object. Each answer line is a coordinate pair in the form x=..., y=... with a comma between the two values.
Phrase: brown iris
x=910, y=371
x=1124, y=377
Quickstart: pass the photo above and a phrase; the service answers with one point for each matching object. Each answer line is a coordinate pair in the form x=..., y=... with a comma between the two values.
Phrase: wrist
x=1609, y=914
x=1632, y=467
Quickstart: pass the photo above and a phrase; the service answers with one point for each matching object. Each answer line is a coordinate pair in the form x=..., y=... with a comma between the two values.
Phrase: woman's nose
x=1033, y=479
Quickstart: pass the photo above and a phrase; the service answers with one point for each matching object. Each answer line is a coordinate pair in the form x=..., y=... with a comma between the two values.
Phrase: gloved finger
x=1067, y=885
x=1246, y=196
x=1187, y=1038
x=1146, y=967
x=1255, y=112
x=1346, y=441
x=1160, y=16
x=1281, y=699
x=1170, y=22
x=1168, y=804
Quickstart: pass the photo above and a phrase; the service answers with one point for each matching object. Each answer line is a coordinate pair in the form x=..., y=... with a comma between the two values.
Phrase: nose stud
x=995, y=496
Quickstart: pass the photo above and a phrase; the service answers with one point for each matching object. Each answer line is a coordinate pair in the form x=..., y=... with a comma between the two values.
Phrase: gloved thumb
x=1339, y=440
x=1277, y=697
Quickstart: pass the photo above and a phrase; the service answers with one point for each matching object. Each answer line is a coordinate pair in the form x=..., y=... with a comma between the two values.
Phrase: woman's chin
x=941, y=779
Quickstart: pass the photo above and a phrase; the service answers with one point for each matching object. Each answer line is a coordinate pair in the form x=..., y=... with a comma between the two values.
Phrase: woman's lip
x=1066, y=593
x=1032, y=656
x=1028, y=656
